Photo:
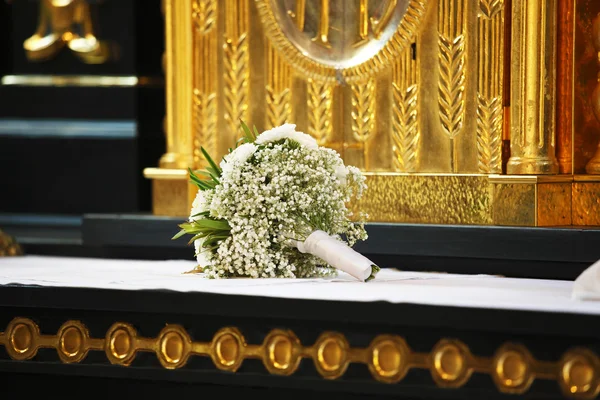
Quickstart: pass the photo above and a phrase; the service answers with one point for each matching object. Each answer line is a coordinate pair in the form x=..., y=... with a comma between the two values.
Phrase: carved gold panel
x=419, y=94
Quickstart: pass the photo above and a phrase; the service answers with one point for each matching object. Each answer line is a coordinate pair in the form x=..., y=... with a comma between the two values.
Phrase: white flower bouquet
x=276, y=206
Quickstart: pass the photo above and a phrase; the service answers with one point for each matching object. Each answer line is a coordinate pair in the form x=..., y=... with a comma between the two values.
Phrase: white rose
x=287, y=131
x=237, y=157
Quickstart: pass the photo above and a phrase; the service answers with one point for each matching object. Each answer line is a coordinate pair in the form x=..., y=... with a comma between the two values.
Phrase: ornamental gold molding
x=388, y=357
x=452, y=73
x=66, y=23
x=490, y=74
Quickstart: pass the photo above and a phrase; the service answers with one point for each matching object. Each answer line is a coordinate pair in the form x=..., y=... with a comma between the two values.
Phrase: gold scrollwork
x=452, y=59
x=66, y=22
x=309, y=68
x=388, y=357
x=490, y=22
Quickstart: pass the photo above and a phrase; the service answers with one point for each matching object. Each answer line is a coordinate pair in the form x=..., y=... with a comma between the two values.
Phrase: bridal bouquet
x=275, y=206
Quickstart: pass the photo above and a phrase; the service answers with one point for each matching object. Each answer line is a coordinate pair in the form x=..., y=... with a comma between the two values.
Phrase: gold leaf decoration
x=490, y=8
x=363, y=110
x=489, y=134
x=278, y=106
x=236, y=81
x=452, y=84
x=489, y=86
x=278, y=88
x=320, y=96
x=405, y=134
x=204, y=15
x=205, y=123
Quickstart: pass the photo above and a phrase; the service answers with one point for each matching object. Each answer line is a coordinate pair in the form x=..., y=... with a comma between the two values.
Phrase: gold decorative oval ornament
x=388, y=358
x=580, y=374
x=73, y=339
x=327, y=40
x=450, y=359
x=512, y=371
x=174, y=346
x=22, y=339
x=120, y=343
x=281, y=352
x=227, y=349
x=331, y=355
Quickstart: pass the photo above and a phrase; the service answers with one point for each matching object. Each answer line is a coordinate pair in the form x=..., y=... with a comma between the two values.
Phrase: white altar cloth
x=479, y=291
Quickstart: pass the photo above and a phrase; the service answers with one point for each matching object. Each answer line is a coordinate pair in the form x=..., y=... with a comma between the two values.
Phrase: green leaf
x=179, y=234
x=250, y=138
x=210, y=161
x=201, y=214
x=212, y=224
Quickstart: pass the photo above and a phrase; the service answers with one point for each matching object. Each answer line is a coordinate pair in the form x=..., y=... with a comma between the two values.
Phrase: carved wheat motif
x=452, y=84
x=319, y=111
x=489, y=8
x=278, y=106
x=204, y=15
x=405, y=134
x=489, y=134
x=363, y=110
x=205, y=124
x=236, y=81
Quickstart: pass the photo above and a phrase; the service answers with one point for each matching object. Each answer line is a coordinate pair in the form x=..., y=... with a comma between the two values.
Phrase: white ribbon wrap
x=338, y=254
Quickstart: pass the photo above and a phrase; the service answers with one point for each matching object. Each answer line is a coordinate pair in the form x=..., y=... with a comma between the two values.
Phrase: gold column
x=178, y=33
x=593, y=166
x=172, y=193
x=564, y=89
x=533, y=88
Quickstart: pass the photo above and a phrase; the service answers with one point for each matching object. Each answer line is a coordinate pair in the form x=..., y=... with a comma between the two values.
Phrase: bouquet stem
x=339, y=255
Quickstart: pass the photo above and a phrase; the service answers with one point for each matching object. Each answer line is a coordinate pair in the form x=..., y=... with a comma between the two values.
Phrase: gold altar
x=459, y=112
